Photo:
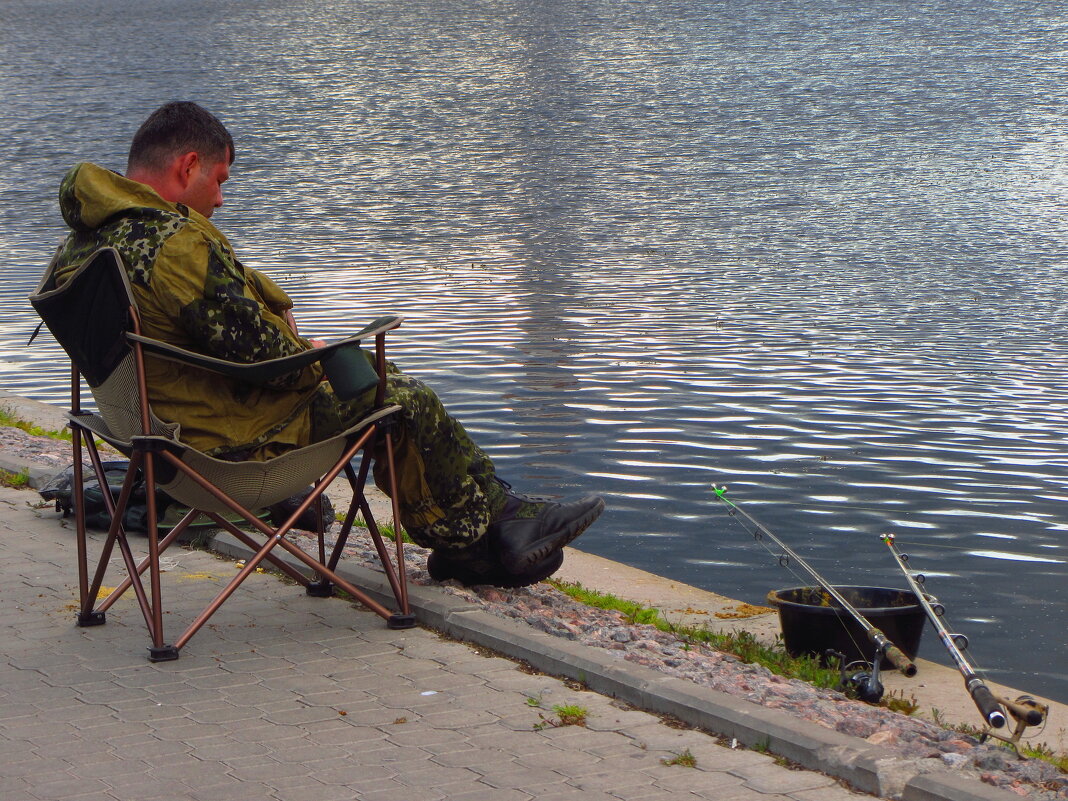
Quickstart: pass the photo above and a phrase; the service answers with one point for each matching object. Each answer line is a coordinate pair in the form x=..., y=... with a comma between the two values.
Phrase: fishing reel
x=861, y=677
x=1026, y=711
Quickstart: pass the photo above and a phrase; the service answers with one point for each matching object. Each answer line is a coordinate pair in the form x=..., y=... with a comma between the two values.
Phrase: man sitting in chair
x=192, y=292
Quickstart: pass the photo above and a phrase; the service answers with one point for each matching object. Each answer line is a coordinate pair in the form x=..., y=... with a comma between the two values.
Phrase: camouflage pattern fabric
x=137, y=235
x=447, y=491
x=193, y=292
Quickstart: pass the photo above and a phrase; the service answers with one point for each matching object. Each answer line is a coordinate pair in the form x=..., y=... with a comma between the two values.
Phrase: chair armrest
x=261, y=372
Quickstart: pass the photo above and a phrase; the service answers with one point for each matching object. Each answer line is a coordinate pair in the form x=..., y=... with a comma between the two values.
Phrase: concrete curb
x=867, y=767
x=42, y=414
x=953, y=788
x=37, y=477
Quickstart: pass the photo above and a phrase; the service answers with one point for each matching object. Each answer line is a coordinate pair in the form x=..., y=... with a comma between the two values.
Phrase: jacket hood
x=89, y=195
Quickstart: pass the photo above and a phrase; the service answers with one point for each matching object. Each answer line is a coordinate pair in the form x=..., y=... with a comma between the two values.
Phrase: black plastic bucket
x=812, y=623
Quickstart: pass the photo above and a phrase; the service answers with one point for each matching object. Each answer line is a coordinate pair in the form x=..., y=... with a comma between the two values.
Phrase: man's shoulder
x=141, y=235
x=159, y=242
x=104, y=209
x=178, y=239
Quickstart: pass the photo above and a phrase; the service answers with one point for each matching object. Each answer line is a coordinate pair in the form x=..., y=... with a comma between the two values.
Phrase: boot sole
x=441, y=569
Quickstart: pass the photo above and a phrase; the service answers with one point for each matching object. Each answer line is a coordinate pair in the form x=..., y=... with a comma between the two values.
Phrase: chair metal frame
x=178, y=469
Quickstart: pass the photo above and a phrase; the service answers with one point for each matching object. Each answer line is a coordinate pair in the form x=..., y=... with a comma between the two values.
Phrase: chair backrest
x=89, y=315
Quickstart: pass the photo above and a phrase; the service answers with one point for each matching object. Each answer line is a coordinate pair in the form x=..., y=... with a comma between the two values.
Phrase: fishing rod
x=869, y=685
x=984, y=700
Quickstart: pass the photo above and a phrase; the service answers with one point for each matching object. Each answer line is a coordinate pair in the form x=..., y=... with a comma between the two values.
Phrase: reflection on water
x=811, y=251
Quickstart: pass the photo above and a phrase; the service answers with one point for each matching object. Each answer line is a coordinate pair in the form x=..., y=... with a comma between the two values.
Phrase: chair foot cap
x=399, y=621
x=320, y=589
x=86, y=619
x=165, y=653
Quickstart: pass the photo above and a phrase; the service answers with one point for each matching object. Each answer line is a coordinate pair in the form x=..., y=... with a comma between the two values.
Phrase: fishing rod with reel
x=861, y=676
x=868, y=684
x=1024, y=710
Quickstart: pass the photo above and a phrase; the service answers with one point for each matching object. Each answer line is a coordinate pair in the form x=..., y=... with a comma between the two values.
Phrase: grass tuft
x=897, y=702
x=566, y=715
x=8, y=419
x=571, y=714
x=386, y=529
x=1046, y=754
x=741, y=644
x=17, y=480
x=684, y=758
x=633, y=613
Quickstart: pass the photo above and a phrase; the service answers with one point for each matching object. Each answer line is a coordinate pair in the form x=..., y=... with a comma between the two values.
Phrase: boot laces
x=519, y=496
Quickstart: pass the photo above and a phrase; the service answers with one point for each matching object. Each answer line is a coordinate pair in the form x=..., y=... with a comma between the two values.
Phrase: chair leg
x=357, y=482
x=249, y=567
x=245, y=539
x=393, y=619
x=164, y=544
x=398, y=584
x=275, y=537
x=158, y=647
x=150, y=598
x=92, y=614
x=87, y=615
x=113, y=512
x=151, y=604
x=398, y=538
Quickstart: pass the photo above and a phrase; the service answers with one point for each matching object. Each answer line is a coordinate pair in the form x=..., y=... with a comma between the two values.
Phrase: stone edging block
x=38, y=476
x=951, y=787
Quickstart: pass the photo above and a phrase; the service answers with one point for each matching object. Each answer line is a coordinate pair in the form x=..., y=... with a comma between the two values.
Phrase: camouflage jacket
x=191, y=291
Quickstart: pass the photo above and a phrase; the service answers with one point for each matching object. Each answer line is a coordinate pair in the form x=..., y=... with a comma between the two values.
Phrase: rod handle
x=987, y=704
x=897, y=658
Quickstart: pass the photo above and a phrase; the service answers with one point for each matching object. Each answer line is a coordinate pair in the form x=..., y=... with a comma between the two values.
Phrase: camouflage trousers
x=446, y=490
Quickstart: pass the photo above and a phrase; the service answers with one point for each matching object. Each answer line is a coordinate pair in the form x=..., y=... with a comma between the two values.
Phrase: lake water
x=814, y=251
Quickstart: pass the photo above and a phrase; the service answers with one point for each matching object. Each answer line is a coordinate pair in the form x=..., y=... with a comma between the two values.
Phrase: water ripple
x=815, y=251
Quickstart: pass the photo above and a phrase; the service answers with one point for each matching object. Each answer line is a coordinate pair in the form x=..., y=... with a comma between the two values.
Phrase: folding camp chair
x=94, y=317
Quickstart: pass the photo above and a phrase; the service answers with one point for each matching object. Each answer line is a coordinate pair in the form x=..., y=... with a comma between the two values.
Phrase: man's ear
x=184, y=167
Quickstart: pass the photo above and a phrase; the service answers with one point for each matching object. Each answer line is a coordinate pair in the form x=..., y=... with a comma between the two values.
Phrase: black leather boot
x=523, y=545
x=527, y=532
x=469, y=569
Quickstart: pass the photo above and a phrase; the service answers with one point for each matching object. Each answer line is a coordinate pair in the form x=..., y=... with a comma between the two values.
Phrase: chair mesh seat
x=256, y=484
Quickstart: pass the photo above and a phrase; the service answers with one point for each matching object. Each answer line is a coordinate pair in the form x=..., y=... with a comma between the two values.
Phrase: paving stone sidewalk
x=284, y=696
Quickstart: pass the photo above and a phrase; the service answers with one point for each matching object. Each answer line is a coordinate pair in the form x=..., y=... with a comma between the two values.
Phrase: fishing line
x=956, y=644
x=883, y=511
x=927, y=544
x=921, y=580
x=868, y=685
x=755, y=529
x=1025, y=710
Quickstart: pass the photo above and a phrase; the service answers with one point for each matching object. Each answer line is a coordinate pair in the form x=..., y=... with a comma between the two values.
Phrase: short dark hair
x=175, y=128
